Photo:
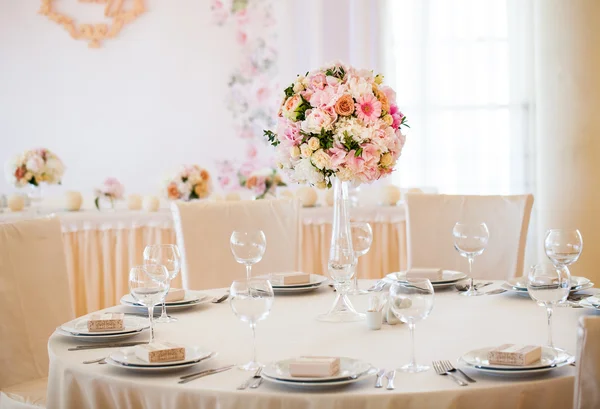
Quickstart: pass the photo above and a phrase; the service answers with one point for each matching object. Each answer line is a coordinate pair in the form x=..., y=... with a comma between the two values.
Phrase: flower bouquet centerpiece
x=262, y=182
x=191, y=182
x=110, y=191
x=338, y=125
x=33, y=168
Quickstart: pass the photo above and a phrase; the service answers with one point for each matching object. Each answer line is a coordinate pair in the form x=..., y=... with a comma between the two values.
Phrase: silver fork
x=246, y=383
x=220, y=299
x=258, y=381
x=390, y=376
x=100, y=361
x=450, y=368
x=441, y=371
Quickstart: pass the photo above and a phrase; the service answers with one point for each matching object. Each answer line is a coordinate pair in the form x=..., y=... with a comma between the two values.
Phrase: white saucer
x=190, y=300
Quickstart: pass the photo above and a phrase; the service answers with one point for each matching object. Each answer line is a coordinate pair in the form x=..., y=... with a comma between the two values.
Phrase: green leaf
x=271, y=137
x=289, y=91
x=96, y=202
x=358, y=152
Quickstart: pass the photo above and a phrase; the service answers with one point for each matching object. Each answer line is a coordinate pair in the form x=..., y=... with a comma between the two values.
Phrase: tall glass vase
x=342, y=260
x=35, y=196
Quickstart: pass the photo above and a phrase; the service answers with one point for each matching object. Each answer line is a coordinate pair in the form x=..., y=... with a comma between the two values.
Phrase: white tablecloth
x=101, y=247
x=457, y=324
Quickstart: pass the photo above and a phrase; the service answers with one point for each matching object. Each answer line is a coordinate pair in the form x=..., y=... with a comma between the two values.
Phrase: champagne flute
x=411, y=300
x=251, y=301
x=563, y=246
x=168, y=256
x=149, y=284
x=248, y=247
x=549, y=285
x=362, y=238
x=470, y=240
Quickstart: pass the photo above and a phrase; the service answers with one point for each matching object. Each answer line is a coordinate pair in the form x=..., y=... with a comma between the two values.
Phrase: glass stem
x=471, y=286
x=163, y=315
x=356, y=276
x=413, y=360
x=248, y=271
x=151, y=318
x=549, y=313
x=253, y=326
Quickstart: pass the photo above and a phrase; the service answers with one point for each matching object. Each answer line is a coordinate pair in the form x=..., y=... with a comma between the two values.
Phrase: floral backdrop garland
x=253, y=94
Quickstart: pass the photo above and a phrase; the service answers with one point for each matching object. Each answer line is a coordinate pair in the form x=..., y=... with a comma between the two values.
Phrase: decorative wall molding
x=95, y=33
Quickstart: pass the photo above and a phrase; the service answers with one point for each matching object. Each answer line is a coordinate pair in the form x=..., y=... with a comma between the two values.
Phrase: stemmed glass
x=411, y=300
x=251, y=301
x=248, y=247
x=168, y=256
x=362, y=238
x=149, y=284
x=563, y=247
x=470, y=239
x=549, y=285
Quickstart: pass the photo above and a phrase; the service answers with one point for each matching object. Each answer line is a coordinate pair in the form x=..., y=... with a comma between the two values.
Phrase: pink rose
x=316, y=119
x=389, y=93
x=288, y=132
x=316, y=81
x=338, y=156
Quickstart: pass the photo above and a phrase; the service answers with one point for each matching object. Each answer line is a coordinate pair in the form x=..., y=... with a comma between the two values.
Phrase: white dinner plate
x=523, y=291
x=551, y=359
x=100, y=337
x=318, y=385
x=295, y=290
x=449, y=277
x=276, y=280
x=349, y=369
x=591, y=303
x=125, y=357
x=131, y=326
x=189, y=301
x=577, y=283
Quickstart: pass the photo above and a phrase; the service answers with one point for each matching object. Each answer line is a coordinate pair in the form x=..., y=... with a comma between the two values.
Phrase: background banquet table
x=101, y=247
x=455, y=326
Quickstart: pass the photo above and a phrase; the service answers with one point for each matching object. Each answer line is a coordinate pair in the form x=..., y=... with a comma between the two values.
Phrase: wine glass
x=149, y=284
x=563, y=247
x=168, y=256
x=362, y=238
x=549, y=285
x=251, y=301
x=411, y=300
x=248, y=247
x=470, y=239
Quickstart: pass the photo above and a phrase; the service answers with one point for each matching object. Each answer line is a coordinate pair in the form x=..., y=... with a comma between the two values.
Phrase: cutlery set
x=253, y=382
x=391, y=375
x=445, y=368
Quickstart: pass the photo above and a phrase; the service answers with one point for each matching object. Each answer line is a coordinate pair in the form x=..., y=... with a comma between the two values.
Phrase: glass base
x=470, y=293
x=410, y=368
x=165, y=320
x=250, y=366
x=341, y=311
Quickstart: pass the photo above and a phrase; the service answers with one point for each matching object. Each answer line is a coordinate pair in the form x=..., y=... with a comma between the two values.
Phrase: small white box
x=175, y=294
x=109, y=321
x=518, y=355
x=314, y=366
x=432, y=274
x=160, y=352
x=296, y=278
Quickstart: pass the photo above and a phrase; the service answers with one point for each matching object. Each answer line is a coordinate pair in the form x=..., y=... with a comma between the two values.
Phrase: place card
x=109, y=321
x=175, y=294
x=160, y=352
x=518, y=355
x=314, y=366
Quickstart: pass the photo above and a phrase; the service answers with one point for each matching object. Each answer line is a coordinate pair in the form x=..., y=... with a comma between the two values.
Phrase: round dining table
x=455, y=326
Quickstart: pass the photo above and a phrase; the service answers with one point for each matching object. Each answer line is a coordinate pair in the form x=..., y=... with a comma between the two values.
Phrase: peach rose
x=204, y=174
x=251, y=182
x=381, y=97
x=201, y=190
x=172, y=191
x=345, y=105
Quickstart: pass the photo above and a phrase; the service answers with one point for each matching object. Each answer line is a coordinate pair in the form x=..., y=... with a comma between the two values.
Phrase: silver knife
x=100, y=346
x=189, y=378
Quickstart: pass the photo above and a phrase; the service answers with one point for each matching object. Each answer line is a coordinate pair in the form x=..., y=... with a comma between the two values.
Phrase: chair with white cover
x=34, y=300
x=431, y=218
x=203, y=230
x=587, y=380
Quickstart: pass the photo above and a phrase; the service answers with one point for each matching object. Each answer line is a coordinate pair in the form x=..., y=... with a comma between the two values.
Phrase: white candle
x=307, y=195
x=73, y=201
x=134, y=202
x=151, y=203
x=16, y=203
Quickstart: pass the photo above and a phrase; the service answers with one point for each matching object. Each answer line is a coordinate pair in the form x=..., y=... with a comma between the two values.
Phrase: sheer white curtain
x=463, y=73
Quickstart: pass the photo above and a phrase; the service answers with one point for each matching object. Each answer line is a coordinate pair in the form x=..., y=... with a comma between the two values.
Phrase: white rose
x=345, y=174
x=314, y=143
x=316, y=120
x=294, y=152
x=321, y=160
x=298, y=84
x=35, y=164
x=305, y=150
x=304, y=171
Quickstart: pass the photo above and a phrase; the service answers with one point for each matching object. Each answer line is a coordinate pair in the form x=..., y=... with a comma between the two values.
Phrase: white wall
x=154, y=97
x=143, y=104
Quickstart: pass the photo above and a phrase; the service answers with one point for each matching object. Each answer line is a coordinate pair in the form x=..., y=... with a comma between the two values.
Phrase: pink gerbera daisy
x=368, y=108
